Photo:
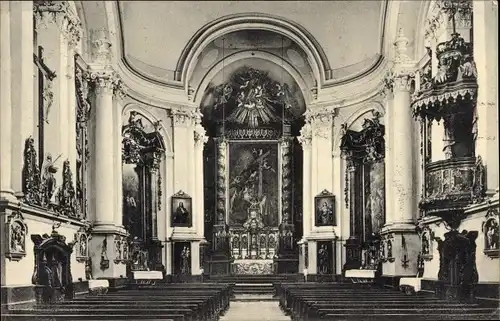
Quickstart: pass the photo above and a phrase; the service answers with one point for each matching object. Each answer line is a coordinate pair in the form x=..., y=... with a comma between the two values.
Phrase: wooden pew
x=311, y=302
x=177, y=302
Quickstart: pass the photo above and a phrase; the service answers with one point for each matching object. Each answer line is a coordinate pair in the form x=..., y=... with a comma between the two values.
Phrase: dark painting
x=324, y=205
x=325, y=257
x=181, y=210
x=253, y=177
x=132, y=218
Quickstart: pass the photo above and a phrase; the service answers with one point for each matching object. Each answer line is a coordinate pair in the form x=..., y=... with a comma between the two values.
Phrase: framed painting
x=181, y=214
x=324, y=209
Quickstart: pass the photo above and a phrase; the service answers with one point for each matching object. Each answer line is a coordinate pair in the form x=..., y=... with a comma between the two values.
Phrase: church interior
x=249, y=160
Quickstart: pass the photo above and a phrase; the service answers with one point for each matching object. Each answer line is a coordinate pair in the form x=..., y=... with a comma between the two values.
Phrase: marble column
x=486, y=58
x=400, y=225
x=402, y=126
x=104, y=83
x=6, y=190
x=117, y=155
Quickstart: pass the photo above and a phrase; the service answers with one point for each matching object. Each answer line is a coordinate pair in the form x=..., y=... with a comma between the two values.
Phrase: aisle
x=254, y=311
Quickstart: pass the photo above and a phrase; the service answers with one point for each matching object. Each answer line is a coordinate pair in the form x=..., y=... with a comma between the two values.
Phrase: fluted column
x=5, y=103
x=104, y=84
x=486, y=57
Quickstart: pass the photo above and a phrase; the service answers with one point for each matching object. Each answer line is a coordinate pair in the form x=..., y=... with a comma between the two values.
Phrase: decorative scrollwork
x=66, y=195
x=139, y=147
x=16, y=236
x=367, y=145
x=31, y=174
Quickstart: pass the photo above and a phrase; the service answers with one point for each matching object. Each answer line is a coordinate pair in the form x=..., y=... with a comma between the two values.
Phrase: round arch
x=198, y=95
x=256, y=21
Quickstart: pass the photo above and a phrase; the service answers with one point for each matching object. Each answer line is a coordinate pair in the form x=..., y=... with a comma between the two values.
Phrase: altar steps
x=255, y=288
x=255, y=279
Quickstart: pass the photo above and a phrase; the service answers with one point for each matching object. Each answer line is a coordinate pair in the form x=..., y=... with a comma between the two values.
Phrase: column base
x=402, y=246
x=107, y=260
x=8, y=195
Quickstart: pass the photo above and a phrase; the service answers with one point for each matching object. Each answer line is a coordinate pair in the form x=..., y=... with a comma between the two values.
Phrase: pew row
x=331, y=301
x=176, y=302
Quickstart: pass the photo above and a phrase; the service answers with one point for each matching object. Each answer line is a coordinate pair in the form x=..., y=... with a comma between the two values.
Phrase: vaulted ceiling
x=349, y=34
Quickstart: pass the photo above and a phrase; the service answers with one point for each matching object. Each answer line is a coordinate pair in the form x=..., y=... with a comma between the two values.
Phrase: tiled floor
x=254, y=311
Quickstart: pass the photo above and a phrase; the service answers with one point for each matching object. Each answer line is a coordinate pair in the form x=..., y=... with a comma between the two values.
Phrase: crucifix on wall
x=45, y=96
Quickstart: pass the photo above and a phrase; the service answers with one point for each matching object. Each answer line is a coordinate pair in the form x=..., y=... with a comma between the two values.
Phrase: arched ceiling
x=155, y=34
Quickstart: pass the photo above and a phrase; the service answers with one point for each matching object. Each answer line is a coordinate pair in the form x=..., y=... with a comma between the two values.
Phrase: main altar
x=252, y=210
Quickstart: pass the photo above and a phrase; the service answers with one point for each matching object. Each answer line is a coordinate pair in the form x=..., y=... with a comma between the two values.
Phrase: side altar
x=250, y=208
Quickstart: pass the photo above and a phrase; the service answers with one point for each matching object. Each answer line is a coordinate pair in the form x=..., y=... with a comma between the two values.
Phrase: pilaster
x=305, y=140
x=6, y=190
x=22, y=76
x=486, y=54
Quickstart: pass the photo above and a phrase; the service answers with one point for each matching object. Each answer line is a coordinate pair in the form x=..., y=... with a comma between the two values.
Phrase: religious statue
x=88, y=269
x=83, y=245
x=17, y=238
x=181, y=215
x=118, y=249
x=389, y=248
x=134, y=121
x=49, y=180
x=185, y=260
x=425, y=244
x=492, y=235
x=323, y=260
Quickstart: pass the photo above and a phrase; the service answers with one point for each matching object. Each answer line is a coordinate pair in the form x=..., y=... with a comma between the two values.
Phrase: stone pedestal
x=107, y=262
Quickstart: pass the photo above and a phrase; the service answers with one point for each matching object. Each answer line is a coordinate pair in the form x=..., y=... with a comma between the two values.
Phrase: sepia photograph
x=249, y=160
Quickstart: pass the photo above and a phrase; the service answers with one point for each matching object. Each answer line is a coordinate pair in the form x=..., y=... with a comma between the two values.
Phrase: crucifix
x=45, y=97
x=262, y=162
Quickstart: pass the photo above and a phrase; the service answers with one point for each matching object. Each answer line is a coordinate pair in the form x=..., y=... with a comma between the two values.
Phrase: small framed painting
x=181, y=214
x=324, y=209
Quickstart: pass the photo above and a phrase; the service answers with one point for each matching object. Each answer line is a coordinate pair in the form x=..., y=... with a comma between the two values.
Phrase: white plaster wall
x=19, y=273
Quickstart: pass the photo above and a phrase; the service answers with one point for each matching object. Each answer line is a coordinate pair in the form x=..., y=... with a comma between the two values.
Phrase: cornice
x=157, y=95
